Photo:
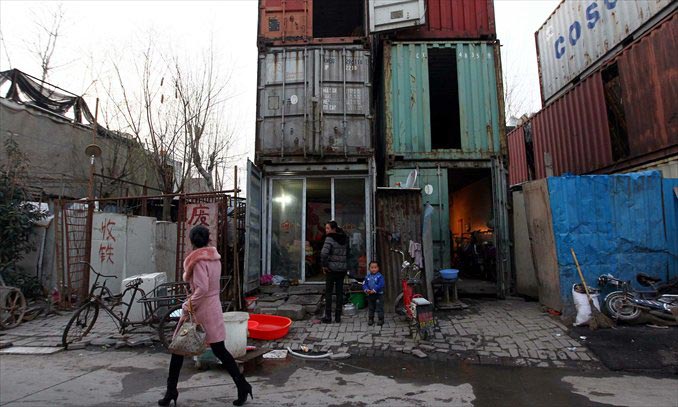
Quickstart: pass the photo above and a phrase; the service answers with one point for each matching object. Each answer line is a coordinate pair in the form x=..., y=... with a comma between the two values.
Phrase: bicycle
x=161, y=309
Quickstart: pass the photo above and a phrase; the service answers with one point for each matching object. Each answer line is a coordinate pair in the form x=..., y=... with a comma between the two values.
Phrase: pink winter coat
x=202, y=270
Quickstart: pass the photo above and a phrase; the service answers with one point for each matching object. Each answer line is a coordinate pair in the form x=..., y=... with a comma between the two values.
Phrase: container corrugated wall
x=649, y=79
x=518, y=172
x=579, y=33
x=458, y=19
x=399, y=213
x=407, y=107
x=314, y=101
x=574, y=131
x=285, y=20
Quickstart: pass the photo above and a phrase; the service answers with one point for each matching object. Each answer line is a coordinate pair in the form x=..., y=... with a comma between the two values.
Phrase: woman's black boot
x=170, y=394
x=244, y=389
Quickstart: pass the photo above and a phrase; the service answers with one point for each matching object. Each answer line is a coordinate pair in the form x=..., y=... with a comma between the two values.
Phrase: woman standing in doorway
x=333, y=258
x=202, y=270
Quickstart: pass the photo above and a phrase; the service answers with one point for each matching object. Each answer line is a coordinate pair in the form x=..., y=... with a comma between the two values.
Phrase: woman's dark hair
x=199, y=236
x=333, y=224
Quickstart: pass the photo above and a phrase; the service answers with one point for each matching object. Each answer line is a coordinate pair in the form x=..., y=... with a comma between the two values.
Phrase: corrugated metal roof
x=579, y=33
x=574, y=131
x=518, y=172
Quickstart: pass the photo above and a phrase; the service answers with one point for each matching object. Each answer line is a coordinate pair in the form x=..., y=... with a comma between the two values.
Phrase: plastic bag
x=581, y=303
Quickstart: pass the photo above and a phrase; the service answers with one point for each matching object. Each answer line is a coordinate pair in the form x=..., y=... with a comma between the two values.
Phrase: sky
x=95, y=33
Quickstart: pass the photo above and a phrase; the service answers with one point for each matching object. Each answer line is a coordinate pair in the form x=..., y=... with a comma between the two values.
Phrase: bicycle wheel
x=168, y=324
x=80, y=324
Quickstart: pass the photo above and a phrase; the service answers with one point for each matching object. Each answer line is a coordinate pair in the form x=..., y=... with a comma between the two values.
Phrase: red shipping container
x=648, y=71
x=517, y=171
x=454, y=19
x=574, y=131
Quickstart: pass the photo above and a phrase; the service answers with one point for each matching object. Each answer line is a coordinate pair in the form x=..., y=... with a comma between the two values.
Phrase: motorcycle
x=626, y=304
x=417, y=309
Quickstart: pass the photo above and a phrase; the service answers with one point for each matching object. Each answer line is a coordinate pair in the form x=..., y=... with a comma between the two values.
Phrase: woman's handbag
x=189, y=340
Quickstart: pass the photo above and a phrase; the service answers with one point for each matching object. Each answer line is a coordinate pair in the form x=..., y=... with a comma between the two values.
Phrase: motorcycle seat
x=645, y=280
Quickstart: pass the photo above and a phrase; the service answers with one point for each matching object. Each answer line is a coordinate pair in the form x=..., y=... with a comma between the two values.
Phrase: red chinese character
x=199, y=214
x=106, y=253
x=107, y=230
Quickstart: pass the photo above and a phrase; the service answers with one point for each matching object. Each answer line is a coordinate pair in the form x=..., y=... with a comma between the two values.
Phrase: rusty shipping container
x=621, y=117
x=298, y=22
x=518, y=172
x=457, y=19
x=314, y=101
x=442, y=100
x=399, y=213
x=580, y=34
x=648, y=73
x=573, y=131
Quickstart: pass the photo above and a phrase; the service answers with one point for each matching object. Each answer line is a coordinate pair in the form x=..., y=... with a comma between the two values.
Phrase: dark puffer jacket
x=334, y=252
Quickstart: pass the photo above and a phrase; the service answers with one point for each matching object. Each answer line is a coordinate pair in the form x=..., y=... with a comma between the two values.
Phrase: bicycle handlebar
x=95, y=272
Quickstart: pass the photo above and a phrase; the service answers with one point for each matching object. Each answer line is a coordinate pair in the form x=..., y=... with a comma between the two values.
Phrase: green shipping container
x=443, y=100
x=439, y=199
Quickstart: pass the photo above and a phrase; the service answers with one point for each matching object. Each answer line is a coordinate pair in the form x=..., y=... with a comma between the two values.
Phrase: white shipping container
x=579, y=33
x=396, y=14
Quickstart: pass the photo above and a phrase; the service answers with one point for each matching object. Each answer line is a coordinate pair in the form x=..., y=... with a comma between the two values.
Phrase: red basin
x=268, y=327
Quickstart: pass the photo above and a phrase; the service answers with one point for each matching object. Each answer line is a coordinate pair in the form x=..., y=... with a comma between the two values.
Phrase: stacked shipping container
x=439, y=80
x=441, y=114
x=621, y=116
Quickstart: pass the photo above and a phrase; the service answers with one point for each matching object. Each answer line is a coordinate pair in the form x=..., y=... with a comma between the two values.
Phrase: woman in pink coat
x=202, y=270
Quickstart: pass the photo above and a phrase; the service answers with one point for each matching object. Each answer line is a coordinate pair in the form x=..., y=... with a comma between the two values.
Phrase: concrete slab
x=310, y=299
x=293, y=311
x=30, y=350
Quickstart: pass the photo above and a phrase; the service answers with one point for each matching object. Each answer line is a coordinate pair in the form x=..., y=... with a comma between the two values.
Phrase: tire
x=618, y=306
x=80, y=324
x=168, y=325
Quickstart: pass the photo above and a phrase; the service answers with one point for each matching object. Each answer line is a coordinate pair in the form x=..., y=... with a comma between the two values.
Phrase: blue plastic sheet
x=614, y=223
x=671, y=223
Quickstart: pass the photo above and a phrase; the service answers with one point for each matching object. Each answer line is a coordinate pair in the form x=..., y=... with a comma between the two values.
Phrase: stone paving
x=509, y=332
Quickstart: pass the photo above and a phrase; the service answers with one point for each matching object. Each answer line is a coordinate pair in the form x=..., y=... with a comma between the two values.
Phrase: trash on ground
x=276, y=354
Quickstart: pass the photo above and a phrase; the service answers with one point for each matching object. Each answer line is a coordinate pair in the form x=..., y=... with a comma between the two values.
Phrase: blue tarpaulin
x=671, y=223
x=614, y=223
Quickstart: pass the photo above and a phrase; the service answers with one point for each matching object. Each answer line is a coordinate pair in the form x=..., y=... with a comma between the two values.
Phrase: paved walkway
x=510, y=332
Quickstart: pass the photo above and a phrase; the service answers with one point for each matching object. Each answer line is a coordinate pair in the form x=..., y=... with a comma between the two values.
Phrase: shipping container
x=443, y=100
x=620, y=117
x=458, y=19
x=469, y=204
x=298, y=22
x=518, y=172
x=314, y=101
x=572, y=134
x=578, y=34
x=648, y=75
x=395, y=14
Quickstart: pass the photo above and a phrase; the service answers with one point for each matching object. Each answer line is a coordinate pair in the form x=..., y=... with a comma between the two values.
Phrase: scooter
x=627, y=304
x=417, y=309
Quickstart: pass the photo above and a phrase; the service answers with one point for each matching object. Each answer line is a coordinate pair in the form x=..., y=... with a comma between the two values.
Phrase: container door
x=253, y=234
x=388, y=15
x=501, y=226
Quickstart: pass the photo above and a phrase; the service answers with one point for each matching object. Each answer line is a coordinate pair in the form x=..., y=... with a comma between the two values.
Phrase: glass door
x=287, y=207
x=299, y=210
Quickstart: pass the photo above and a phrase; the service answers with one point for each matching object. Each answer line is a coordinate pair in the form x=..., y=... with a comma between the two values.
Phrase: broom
x=598, y=319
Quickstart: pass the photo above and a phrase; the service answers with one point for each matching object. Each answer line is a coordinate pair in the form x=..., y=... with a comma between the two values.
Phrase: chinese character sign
x=109, y=246
x=205, y=214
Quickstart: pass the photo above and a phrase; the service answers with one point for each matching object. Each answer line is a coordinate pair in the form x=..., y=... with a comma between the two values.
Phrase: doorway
x=472, y=227
x=299, y=209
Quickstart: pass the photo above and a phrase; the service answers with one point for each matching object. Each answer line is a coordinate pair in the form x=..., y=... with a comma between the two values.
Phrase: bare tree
x=516, y=102
x=49, y=26
x=176, y=113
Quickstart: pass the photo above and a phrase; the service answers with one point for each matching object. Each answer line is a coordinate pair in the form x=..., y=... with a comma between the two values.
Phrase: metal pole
x=90, y=209
x=236, y=258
